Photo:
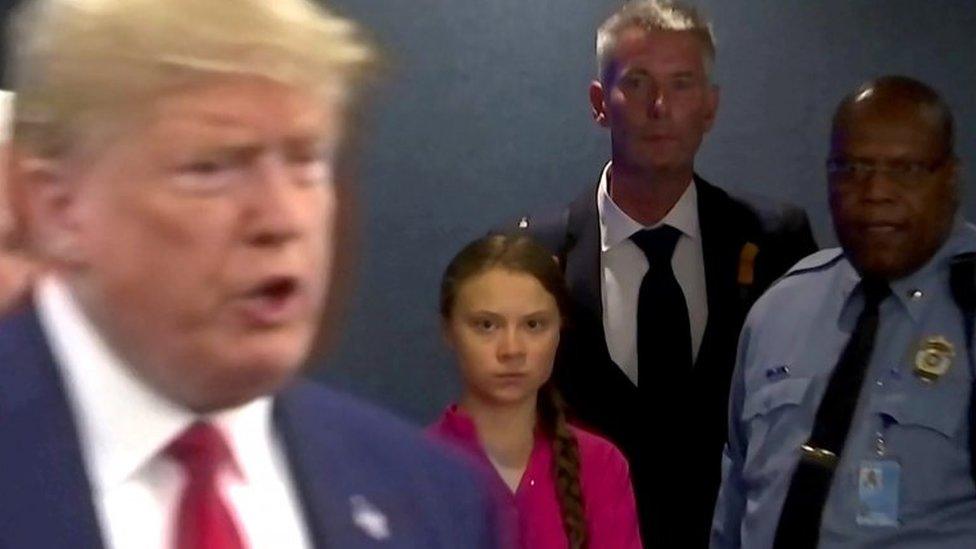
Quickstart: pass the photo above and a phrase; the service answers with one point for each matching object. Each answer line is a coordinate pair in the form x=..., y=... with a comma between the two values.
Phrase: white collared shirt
x=623, y=265
x=124, y=426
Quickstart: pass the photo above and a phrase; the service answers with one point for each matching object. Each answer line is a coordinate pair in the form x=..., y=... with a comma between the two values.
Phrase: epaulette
x=816, y=261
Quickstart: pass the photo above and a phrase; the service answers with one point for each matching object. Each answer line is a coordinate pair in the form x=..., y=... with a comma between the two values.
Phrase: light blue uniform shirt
x=788, y=349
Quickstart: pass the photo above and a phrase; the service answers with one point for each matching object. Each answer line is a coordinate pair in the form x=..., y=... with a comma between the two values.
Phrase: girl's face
x=504, y=328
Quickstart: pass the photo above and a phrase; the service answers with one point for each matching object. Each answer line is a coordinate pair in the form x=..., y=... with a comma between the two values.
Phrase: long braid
x=565, y=466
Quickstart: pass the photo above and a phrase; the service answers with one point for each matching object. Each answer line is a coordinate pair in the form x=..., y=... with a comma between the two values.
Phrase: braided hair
x=565, y=465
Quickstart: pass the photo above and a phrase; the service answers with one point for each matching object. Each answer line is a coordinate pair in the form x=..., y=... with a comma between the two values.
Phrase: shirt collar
x=616, y=226
x=124, y=423
x=928, y=278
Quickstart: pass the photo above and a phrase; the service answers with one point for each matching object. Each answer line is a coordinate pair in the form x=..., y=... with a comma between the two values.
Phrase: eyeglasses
x=903, y=172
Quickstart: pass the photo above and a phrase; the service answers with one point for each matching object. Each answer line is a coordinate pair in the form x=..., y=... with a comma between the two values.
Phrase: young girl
x=503, y=302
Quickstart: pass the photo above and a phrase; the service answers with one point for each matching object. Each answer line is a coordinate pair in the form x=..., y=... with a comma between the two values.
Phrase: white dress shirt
x=124, y=427
x=623, y=265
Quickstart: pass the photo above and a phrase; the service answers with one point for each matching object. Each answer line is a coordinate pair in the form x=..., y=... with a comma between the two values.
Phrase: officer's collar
x=912, y=291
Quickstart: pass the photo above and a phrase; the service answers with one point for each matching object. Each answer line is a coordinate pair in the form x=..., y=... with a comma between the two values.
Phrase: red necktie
x=203, y=521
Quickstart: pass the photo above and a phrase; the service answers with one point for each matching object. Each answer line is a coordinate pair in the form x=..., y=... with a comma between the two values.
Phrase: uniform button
x=879, y=383
x=531, y=483
x=916, y=294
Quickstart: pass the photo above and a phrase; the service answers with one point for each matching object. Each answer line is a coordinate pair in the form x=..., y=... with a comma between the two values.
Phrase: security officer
x=849, y=414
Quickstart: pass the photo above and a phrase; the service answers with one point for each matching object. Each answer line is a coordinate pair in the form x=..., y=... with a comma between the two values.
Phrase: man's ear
x=711, y=104
x=956, y=168
x=45, y=207
x=598, y=103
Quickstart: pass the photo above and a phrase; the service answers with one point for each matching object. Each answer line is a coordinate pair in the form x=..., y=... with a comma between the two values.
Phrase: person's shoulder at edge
x=390, y=446
x=547, y=224
x=772, y=215
x=369, y=427
x=797, y=278
x=965, y=231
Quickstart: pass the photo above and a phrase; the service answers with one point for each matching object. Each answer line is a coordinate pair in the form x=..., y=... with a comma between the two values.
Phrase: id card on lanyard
x=878, y=485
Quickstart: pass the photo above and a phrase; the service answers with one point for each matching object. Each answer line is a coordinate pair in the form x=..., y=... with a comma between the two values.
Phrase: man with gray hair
x=662, y=266
x=180, y=167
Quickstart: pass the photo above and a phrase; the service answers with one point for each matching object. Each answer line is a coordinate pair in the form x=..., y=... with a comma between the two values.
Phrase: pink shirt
x=608, y=497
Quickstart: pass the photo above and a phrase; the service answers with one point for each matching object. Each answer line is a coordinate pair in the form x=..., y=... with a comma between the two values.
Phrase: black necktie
x=663, y=329
x=664, y=363
x=799, y=522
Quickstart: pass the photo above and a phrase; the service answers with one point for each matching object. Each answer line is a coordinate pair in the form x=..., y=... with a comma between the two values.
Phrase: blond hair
x=653, y=15
x=78, y=65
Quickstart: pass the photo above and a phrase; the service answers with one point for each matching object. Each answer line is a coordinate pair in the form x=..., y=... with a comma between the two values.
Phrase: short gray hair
x=78, y=66
x=654, y=15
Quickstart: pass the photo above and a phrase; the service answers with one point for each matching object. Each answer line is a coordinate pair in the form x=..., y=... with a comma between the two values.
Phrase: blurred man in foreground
x=176, y=162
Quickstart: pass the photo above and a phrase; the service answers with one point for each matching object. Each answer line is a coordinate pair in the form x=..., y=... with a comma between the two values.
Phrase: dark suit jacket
x=337, y=448
x=687, y=421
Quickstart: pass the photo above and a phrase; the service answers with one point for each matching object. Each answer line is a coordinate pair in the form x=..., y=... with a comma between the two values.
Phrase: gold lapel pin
x=747, y=264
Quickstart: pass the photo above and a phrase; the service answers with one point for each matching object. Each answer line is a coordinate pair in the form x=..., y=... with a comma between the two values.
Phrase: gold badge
x=933, y=358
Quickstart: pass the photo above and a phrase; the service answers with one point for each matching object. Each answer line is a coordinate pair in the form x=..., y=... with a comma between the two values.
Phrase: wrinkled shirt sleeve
x=729, y=507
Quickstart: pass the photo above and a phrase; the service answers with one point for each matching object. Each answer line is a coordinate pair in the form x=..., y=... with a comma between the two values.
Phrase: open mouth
x=278, y=288
x=273, y=302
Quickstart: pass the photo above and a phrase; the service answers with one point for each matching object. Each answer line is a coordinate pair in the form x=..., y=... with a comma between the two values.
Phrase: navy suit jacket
x=337, y=449
x=603, y=397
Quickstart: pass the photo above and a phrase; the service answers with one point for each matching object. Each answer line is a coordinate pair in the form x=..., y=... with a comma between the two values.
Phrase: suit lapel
x=46, y=496
x=722, y=240
x=310, y=455
x=334, y=471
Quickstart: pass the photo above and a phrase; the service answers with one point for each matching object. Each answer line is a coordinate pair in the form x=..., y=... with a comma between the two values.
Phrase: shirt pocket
x=773, y=417
x=927, y=434
x=938, y=409
x=774, y=395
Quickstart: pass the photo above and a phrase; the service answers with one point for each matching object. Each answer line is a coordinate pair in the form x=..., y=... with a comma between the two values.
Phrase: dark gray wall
x=485, y=116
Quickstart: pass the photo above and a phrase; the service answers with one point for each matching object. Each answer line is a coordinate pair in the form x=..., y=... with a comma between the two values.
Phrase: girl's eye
x=536, y=324
x=484, y=325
